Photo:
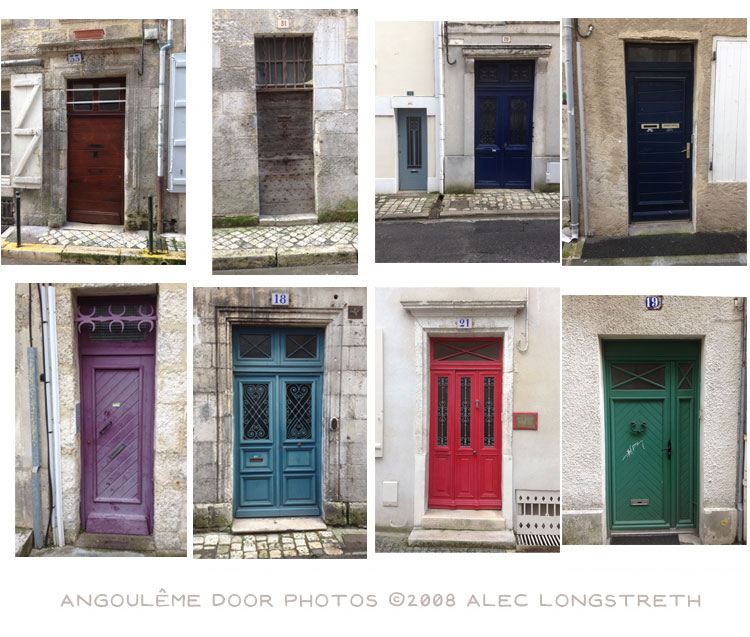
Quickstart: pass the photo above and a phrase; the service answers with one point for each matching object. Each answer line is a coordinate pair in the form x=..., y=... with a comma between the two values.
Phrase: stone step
x=462, y=539
x=114, y=542
x=242, y=526
x=463, y=520
x=288, y=220
x=24, y=542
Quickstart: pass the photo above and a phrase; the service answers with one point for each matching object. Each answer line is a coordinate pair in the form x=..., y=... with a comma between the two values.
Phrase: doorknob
x=477, y=402
x=668, y=449
x=686, y=150
x=505, y=145
x=474, y=452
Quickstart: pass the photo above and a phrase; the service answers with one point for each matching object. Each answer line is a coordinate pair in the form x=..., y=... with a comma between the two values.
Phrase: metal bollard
x=151, y=223
x=18, y=218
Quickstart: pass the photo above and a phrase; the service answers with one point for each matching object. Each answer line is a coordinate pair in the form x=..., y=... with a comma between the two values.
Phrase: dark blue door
x=660, y=124
x=412, y=149
x=503, y=124
x=278, y=386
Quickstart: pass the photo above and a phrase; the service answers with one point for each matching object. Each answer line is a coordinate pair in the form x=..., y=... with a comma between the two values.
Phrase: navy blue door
x=660, y=124
x=503, y=124
x=278, y=386
x=412, y=149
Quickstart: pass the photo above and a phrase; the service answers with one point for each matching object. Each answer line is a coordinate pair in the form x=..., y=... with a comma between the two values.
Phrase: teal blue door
x=278, y=386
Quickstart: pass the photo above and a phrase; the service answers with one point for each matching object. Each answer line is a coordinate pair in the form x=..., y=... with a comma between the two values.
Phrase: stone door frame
x=331, y=320
x=440, y=318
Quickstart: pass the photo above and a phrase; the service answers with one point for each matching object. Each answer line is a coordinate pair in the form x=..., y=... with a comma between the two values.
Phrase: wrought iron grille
x=487, y=120
x=116, y=322
x=255, y=411
x=414, y=142
x=442, y=411
x=489, y=411
x=301, y=346
x=298, y=411
x=466, y=412
x=466, y=351
x=8, y=212
x=518, y=120
x=255, y=346
x=283, y=62
x=686, y=376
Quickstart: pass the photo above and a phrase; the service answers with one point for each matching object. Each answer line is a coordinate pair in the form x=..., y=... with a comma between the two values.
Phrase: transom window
x=639, y=376
x=466, y=350
x=96, y=96
x=283, y=62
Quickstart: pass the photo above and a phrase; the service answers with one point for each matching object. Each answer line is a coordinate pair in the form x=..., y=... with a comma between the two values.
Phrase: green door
x=651, y=415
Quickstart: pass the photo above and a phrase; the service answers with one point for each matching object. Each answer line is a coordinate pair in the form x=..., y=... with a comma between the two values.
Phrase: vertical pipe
x=36, y=451
x=161, y=127
x=582, y=124
x=440, y=92
x=572, y=159
x=18, y=218
x=151, y=224
x=742, y=429
x=55, y=391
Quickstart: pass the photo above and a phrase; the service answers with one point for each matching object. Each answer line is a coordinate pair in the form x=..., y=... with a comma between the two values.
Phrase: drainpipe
x=584, y=192
x=439, y=80
x=29, y=62
x=742, y=428
x=526, y=332
x=572, y=159
x=160, y=116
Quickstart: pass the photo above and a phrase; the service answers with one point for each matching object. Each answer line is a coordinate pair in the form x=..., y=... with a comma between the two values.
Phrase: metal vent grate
x=523, y=539
x=116, y=322
x=538, y=514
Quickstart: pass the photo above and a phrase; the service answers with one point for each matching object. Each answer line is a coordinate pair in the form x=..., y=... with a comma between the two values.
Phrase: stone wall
x=170, y=423
x=589, y=319
x=717, y=206
x=344, y=464
x=117, y=54
x=235, y=139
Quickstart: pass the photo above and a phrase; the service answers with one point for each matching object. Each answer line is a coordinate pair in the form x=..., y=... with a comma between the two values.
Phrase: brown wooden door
x=96, y=151
x=285, y=152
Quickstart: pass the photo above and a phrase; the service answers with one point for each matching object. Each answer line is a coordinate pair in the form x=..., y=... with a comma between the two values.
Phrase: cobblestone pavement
x=397, y=542
x=404, y=206
x=320, y=544
x=389, y=207
x=274, y=237
x=107, y=239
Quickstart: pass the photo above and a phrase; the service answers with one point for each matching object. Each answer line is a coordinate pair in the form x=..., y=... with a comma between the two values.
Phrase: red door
x=465, y=435
x=96, y=151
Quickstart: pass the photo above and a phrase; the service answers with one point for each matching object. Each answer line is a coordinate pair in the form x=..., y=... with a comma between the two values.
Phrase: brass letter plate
x=670, y=126
x=649, y=126
x=639, y=503
x=256, y=459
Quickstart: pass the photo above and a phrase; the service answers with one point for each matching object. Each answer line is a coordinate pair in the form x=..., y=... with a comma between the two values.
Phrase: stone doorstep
x=112, y=542
x=287, y=220
x=24, y=542
x=462, y=539
x=245, y=526
x=463, y=520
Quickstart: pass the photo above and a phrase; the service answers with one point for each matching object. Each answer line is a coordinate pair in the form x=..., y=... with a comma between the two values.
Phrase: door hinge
x=713, y=56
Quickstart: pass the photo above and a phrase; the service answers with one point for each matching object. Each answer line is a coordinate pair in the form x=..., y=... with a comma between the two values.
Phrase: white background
x=33, y=590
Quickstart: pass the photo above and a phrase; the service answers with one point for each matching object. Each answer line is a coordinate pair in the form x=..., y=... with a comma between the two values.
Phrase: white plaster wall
x=587, y=320
x=404, y=58
x=534, y=456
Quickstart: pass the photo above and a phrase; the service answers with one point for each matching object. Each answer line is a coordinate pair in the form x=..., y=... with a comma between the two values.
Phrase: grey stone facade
x=236, y=198
x=343, y=462
x=121, y=52
x=470, y=41
x=170, y=402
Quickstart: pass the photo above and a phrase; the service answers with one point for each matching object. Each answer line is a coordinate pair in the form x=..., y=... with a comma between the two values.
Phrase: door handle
x=477, y=403
x=474, y=452
x=505, y=145
x=104, y=429
x=668, y=449
x=686, y=150
x=636, y=429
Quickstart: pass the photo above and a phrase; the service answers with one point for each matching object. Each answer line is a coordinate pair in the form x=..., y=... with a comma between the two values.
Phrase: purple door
x=116, y=348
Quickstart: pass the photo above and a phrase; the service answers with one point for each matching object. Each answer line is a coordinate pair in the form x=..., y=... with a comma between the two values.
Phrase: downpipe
x=572, y=151
x=161, y=126
x=441, y=104
x=742, y=429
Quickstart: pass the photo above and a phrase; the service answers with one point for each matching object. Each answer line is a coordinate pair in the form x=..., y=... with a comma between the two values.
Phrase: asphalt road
x=475, y=241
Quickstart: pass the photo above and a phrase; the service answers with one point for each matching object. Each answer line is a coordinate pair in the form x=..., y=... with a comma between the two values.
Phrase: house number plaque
x=463, y=323
x=654, y=302
x=280, y=298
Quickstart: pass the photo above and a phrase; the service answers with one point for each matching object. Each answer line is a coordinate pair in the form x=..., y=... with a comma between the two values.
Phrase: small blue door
x=503, y=123
x=660, y=124
x=412, y=149
x=278, y=386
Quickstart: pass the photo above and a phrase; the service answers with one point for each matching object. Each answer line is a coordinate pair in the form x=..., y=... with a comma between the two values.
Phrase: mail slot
x=670, y=126
x=256, y=459
x=639, y=503
x=649, y=126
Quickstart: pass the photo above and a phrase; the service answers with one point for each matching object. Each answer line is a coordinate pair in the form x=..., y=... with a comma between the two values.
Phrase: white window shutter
x=729, y=112
x=176, y=176
x=26, y=130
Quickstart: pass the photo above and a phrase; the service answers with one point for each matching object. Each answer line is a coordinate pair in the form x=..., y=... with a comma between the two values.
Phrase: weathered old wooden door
x=117, y=339
x=660, y=128
x=503, y=112
x=96, y=150
x=412, y=149
x=465, y=464
x=278, y=385
x=651, y=398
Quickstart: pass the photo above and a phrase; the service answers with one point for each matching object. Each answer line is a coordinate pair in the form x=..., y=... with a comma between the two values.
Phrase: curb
x=734, y=259
x=283, y=257
x=90, y=255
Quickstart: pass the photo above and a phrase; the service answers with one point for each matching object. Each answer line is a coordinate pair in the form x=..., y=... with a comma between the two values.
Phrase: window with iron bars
x=5, y=136
x=283, y=62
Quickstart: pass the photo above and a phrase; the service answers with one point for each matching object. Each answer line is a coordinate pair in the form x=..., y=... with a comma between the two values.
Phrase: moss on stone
x=459, y=190
x=346, y=211
x=244, y=221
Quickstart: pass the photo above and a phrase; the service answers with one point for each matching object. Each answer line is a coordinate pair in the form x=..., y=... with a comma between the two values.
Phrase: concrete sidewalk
x=284, y=246
x=92, y=244
x=482, y=203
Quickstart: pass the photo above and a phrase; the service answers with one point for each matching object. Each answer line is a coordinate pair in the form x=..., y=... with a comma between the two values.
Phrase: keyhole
x=96, y=153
